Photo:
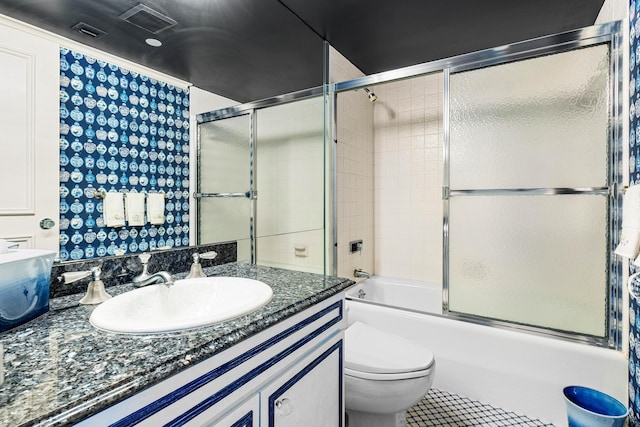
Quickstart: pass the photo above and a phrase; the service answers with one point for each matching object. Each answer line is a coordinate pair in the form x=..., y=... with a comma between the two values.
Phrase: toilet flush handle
x=284, y=407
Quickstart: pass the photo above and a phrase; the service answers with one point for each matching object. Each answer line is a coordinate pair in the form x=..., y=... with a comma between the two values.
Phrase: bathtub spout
x=358, y=272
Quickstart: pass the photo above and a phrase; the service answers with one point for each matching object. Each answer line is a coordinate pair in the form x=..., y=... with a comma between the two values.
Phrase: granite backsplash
x=119, y=270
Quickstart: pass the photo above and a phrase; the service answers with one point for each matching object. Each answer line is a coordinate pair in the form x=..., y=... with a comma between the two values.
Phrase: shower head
x=372, y=96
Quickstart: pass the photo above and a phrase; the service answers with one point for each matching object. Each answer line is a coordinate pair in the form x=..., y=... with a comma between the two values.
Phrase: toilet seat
x=371, y=353
x=386, y=377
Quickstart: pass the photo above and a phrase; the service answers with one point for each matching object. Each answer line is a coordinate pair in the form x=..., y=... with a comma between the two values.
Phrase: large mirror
x=121, y=126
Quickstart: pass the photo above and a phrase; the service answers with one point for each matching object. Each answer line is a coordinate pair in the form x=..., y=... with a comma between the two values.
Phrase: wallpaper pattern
x=119, y=131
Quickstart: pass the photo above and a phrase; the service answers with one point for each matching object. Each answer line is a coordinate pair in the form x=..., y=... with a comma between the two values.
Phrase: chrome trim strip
x=236, y=110
x=569, y=40
x=510, y=53
x=221, y=195
x=196, y=200
x=334, y=175
x=616, y=274
x=584, y=339
x=537, y=330
x=529, y=191
x=446, y=190
x=253, y=203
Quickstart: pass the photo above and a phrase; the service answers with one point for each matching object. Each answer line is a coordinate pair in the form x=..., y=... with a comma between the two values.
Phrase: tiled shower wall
x=408, y=178
x=354, y=170
x=389, y=172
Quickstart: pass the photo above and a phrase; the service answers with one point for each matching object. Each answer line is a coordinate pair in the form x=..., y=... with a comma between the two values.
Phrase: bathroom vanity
x=278, y=366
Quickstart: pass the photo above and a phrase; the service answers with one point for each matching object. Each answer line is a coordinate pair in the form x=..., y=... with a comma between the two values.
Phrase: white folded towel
x=113, y=209
x=155, y=208
x=134, y=203
x=630, y=236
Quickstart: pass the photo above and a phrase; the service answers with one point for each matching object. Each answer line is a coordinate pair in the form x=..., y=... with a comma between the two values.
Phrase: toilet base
x=368, y=419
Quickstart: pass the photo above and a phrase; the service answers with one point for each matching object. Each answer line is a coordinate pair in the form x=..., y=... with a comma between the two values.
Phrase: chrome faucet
x=159, y=277
x=358, y=272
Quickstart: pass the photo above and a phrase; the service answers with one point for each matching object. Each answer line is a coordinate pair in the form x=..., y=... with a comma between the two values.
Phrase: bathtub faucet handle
x=360, y=273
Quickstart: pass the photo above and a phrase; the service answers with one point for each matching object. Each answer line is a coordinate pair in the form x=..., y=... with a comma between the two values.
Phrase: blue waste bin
x=587, y=407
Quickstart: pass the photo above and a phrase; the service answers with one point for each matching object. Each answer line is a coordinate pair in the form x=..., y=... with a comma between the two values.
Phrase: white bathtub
x=516, y=371
x=408, y=294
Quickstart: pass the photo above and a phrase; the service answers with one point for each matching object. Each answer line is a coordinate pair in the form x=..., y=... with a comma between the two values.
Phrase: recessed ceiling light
x=154, y=42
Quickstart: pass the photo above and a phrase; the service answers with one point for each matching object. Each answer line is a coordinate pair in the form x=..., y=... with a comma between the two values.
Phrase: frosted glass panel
x=224, y=220
x=534, y=260
x=224, y=156
x=539, y=122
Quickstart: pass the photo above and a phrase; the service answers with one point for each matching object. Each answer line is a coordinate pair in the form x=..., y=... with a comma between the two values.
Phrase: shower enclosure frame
x=609, y=33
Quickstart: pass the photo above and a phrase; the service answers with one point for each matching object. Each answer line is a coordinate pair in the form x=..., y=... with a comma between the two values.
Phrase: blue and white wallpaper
x=634, y=178
x=119, y=131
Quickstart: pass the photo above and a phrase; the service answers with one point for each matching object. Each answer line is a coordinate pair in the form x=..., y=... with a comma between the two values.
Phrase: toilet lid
x=369, y=349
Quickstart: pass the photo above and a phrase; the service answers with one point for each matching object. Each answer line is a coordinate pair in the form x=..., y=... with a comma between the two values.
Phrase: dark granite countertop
x=58, y=369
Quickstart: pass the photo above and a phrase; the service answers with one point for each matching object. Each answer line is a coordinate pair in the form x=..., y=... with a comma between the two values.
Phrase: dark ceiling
x=253, y=49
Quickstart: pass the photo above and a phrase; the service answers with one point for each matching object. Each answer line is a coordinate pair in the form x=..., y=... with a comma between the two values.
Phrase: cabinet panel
x=29, y=125
x=245, y=415
x=310, y=394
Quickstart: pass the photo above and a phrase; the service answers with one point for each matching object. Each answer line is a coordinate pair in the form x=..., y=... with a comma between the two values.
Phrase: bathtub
x=509, y=369
x=404, y=293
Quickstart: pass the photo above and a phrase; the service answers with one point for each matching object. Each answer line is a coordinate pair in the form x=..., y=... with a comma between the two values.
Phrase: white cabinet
x=246, y=414
x=309, y=394
x=287, y=375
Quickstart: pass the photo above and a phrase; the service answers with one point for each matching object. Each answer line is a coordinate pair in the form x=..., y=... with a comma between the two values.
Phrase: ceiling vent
x=148, y=19
x=89, y=30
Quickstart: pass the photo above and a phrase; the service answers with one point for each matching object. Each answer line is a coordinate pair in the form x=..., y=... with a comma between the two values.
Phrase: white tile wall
x=355, y=135
x=408, y=178
x=389, y=176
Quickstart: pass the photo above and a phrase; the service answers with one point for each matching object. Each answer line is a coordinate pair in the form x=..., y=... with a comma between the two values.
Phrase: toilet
x=384, y=376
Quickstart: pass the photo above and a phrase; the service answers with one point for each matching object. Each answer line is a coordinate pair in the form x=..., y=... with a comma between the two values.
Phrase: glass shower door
x=527, y=209
x=225, y=184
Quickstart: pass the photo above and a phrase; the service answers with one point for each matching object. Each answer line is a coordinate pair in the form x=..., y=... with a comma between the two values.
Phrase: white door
x=29, y=135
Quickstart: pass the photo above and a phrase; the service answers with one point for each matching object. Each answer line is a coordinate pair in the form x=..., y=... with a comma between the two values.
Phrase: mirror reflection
x=124, y=136
x=267, y=189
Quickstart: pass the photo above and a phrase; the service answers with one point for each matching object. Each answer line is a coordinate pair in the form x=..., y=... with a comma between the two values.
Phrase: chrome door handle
x=284, y=407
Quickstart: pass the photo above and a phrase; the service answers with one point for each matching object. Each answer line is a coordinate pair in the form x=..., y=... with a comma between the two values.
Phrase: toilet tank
x=25, y=275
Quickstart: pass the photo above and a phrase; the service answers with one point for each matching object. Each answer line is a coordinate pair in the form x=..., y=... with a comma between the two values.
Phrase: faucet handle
x=96, y=272
x=74, y=276
x=208, y=255
x=196, y=268
x=144, y=257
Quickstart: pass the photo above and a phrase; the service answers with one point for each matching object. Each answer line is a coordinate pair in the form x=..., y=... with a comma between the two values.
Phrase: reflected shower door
x=290, y=182
x=527, y=218
x=225, y=183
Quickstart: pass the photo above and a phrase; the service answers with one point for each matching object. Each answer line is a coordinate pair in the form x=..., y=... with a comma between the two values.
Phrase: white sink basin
x=189, y=303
